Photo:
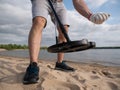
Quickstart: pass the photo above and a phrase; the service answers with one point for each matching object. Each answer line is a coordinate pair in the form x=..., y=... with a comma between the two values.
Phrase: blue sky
x=15, y=23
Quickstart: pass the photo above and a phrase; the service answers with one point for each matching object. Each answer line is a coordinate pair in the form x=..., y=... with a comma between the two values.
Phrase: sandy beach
x=86, y=77
x=2, y=50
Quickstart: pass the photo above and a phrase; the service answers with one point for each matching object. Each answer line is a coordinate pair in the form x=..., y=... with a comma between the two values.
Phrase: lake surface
x=102, y=56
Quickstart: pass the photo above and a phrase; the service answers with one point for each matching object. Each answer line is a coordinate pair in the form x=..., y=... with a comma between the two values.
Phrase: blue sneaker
x=63, y=66
x=32, y=74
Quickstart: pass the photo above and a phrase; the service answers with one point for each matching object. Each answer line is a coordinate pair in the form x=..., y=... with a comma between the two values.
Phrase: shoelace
x=33, y=70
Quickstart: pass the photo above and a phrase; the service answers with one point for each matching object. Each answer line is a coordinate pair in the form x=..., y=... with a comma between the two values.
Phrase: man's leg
x=60, y=64
x=61, y=39
x=35, y=35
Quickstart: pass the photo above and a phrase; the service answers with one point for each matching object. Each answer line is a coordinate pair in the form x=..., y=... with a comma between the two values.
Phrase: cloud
x=11, y=14
x=15, y=21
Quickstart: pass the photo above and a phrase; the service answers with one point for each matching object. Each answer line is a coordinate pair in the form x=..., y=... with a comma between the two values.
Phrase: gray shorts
x=42, y=8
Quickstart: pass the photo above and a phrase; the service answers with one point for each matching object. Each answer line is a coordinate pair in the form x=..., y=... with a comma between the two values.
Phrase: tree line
x=16, y=46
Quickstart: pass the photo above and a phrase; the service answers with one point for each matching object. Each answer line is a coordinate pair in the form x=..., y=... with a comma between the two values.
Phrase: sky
x=16, y=20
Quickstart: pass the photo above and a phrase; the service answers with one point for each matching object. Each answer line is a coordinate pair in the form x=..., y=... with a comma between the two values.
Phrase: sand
x=86, y=77
x=2, y=50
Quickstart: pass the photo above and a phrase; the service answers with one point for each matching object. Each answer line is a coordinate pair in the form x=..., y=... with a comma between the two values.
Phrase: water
x=102, y=56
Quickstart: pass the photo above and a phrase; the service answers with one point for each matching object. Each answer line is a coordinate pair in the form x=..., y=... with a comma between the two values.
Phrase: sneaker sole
x=31, y=82
x=64, y=70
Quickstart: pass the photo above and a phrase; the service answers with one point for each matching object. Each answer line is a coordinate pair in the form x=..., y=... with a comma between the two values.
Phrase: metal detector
x=69, y=46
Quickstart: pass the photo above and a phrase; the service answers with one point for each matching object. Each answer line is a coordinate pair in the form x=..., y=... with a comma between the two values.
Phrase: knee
x=40, y=21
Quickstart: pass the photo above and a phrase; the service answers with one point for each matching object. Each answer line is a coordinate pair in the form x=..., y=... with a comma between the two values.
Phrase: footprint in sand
x=21, y=67
x=95, y=77
x=12, y=79
x=80, y=79
x=117, y=75
x=113, y=86
x=58, y=85
x=107, y=74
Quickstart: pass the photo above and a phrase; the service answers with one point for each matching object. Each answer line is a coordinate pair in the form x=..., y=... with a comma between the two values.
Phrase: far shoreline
x=17, y=46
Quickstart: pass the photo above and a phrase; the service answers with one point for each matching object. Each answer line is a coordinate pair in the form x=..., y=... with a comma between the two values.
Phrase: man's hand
x=99, y=18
